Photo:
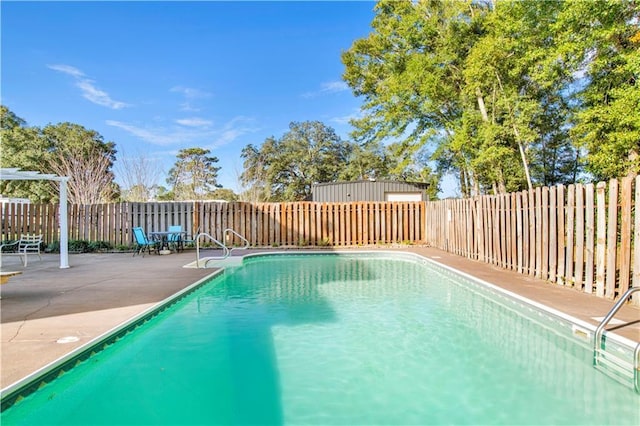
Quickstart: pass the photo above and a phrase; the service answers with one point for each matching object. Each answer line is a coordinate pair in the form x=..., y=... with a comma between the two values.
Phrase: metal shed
x=369, y=190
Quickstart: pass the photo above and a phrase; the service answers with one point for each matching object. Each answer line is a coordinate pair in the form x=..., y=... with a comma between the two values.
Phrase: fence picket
x=533, y=236
x=570, y=235
x=579, y=243
x=589, y=239
x=553, y=234
x=560, y=275
x=612, y=239
x=625, y=235
x=601, y=232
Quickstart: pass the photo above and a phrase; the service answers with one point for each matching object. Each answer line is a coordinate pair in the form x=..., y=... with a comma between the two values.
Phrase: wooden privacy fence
x=308, y=223
x=582, y=236
x=262, y=224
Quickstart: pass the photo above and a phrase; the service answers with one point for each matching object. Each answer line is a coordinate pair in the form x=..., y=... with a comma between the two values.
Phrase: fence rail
x=581, y=236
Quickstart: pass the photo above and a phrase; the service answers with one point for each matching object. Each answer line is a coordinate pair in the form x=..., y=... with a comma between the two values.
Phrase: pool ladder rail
x=618, y=368
x=226, y=251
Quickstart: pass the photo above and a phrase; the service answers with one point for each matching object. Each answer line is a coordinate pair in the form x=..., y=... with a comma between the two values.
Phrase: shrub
x=99, y=246
x=325, y=242
x=53, y=247
x=81, y=246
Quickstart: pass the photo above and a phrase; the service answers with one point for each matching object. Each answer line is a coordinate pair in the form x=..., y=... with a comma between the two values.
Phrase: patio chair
x=27, y=244
x=144, y=243
x=191, y=239
x=175, y=240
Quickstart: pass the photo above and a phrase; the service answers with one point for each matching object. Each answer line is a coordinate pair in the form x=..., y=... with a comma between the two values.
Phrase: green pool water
x=334, y=340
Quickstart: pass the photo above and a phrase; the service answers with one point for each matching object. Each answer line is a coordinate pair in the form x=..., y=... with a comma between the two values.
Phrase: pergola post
x=64, y=226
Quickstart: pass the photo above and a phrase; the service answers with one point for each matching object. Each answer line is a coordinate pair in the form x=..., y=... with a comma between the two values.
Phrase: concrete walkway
x=98, y=292
x=46, y=312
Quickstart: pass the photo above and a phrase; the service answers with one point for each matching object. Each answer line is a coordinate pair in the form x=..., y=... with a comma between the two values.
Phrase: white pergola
x=17, y=174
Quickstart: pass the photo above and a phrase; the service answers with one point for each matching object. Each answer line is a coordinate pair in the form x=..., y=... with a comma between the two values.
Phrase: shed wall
x=361, y=191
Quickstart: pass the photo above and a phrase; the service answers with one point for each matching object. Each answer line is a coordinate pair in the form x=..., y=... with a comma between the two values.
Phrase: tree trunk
x=516, y=132
x=481, y=105
x=464, y=184
x=633, y=157
x=523, y=156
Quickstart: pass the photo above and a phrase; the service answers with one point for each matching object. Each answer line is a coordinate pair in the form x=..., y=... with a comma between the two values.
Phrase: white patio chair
x=27, y=244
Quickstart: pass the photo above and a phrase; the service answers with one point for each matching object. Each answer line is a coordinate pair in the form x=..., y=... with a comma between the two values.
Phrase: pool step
x=618, y=367
x=615, y=367
x=215, y=262
x=221, y=263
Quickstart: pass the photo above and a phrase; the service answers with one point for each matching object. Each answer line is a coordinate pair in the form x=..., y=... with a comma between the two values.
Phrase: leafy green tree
x=85, y=157
x=366, y=162
x=519, y=84
x=284, y=169
x=64, y=149
x=488, y=85
x=601, y=40
x=409, y=71
x=23, y=148
x=194, y=175
x=163, y=194
x=256, y=175
x=9, y=120
x=224, y=194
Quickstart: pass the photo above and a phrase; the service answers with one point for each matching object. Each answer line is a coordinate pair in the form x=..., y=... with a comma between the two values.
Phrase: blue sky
x=156, y=77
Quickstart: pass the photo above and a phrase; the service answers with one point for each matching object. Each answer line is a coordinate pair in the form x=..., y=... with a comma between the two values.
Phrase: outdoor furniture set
x=162, y=242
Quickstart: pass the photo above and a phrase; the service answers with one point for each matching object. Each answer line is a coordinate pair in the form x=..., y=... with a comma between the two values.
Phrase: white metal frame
x=17, y=174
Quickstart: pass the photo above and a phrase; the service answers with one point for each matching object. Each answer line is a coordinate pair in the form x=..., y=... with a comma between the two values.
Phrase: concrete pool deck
x=47, y=312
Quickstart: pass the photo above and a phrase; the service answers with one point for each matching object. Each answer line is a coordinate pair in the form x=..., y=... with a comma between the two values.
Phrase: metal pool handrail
x=225, y=250
x=246, y=242
x=597, y=337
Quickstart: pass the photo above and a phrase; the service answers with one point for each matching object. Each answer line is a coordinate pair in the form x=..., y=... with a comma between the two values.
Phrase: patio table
x=163, y=237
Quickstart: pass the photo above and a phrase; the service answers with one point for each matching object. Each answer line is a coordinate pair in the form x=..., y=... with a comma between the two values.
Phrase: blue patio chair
x=144, y=243
x=191, y=239
x=175, y=240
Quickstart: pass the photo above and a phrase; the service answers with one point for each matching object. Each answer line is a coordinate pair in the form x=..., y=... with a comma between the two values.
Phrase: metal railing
x=226, y=251
x=244, y=240
x=598, y=349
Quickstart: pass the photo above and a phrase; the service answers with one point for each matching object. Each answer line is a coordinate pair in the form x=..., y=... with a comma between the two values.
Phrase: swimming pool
x=337, y=339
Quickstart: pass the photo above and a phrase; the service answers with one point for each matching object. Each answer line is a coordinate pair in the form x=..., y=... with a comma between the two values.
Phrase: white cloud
x=190, y=95
x=157, y=136
x=88, y=88
x=233, y=129
x=194, y=122
x=327, y=89
x=97, y=96
x=334, y=86
x=184, y=134
x=345, y=119
x=67, y=69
